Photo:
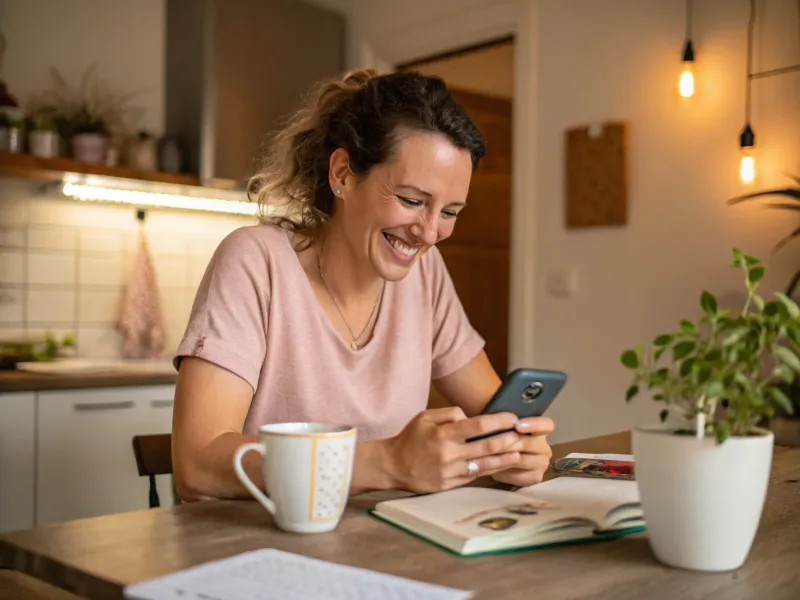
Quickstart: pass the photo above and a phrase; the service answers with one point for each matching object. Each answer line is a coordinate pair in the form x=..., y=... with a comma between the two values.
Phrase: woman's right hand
x=431, y=453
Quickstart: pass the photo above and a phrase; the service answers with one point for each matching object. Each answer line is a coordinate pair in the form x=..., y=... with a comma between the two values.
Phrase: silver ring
x=472, y=467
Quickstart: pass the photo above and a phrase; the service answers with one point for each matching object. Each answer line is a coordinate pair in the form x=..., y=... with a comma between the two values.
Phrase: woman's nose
x=426, y=231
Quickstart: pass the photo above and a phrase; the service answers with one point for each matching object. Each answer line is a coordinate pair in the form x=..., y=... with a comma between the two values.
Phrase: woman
x=342, y=310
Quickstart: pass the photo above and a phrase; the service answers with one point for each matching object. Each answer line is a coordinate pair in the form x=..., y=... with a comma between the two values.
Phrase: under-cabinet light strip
x=156, y=199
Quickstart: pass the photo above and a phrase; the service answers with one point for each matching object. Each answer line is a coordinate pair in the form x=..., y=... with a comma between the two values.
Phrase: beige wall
x=592, y=61
x=486, y=71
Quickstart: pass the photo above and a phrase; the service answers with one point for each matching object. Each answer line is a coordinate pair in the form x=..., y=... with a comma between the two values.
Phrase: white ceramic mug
x=307, y=468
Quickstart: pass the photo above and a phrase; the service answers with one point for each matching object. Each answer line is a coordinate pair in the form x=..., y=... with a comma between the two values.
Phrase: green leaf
x=663, y=414
x=700, y=373
x=688, y=327
x=735, y=337
x=657, y=354
x=755, y=275
x=791, y=306
x=682, y=350
x=722, y=431
x=709, y=303
x=631, y=392
x=663, y=340
x=715, y=389
x=686, y=367
x=782, y=399
x=759, y=302
x=630, y=359
x=784, y=372
x=788, y=357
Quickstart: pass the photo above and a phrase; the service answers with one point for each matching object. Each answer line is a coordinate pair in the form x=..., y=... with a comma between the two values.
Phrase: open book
x=471, y=521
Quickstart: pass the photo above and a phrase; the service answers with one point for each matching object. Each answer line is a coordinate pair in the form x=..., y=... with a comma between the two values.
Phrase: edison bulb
x=747, y=167
x=686, y=81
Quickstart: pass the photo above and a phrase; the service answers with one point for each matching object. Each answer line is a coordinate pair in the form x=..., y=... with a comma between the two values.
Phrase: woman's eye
x=449, y=214
x=409, y=201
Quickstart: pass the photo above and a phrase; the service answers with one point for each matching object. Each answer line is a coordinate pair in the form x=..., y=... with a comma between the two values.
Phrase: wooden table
x=95, y=557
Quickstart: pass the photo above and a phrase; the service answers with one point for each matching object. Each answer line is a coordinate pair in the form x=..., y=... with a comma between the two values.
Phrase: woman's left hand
x=535, y=453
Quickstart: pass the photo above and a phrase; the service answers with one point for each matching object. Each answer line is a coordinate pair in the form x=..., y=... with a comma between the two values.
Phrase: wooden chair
x=154, y=457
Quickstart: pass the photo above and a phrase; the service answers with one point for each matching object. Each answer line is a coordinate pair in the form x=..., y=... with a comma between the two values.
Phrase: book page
x=471, y=512
x=594, y=498
x=276, y=575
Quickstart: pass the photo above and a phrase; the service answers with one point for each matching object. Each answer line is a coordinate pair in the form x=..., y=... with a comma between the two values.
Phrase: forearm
x=373, y=467
x=208, y=473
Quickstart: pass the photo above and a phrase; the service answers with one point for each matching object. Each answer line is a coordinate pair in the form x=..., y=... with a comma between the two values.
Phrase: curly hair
x=365, y=114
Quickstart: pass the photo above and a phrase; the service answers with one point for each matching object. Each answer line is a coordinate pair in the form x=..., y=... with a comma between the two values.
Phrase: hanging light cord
x=750, y=27
x=689, y=19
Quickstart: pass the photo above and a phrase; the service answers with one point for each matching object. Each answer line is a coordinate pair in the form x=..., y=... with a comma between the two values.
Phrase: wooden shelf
x=52, y=169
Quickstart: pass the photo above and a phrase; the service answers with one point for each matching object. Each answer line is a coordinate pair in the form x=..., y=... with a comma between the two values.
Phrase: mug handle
x=246, y=481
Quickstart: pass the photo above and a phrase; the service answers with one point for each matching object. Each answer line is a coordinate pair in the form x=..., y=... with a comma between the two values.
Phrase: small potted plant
x=703, y=472
x=43, y=139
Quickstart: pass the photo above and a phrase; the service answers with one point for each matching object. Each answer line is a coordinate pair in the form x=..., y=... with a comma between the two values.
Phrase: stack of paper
x=275, y=575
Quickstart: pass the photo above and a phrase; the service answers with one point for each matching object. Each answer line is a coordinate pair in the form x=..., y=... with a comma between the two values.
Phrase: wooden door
x=477, y=254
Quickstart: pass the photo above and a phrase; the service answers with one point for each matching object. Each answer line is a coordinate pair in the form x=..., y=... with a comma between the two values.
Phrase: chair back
x=153, y=455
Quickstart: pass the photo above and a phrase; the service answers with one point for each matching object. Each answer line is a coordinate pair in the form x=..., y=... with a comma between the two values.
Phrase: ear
x=339, y=174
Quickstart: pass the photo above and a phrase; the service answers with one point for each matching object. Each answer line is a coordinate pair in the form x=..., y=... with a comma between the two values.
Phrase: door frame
x=493, y=20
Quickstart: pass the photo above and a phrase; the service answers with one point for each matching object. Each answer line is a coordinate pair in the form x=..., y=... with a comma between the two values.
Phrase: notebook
x=473, y=521
x=270, y=574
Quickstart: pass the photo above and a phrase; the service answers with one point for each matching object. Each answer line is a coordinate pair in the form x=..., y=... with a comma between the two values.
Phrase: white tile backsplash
x=12, y=237
x=12, y=267
x=92, y=240
x=99, y=306
x=11, y=306
x=101, y=270
x=77, y=258
x=51, y=306
x=52, y=238
x=51, y=268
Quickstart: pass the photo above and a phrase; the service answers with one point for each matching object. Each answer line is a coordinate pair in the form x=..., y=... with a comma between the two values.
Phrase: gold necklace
x=355, y=343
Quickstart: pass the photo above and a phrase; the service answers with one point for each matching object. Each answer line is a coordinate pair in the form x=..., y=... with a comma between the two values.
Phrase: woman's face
x=404, y=206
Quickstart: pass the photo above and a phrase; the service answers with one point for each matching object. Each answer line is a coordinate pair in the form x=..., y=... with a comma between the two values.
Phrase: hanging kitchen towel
x=142, y=321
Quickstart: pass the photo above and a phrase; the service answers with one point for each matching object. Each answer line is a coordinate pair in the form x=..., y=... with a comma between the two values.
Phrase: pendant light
x=686, y=79
x=747, y=139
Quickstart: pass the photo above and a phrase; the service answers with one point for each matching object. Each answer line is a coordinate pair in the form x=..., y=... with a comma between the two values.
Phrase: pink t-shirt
x=256, y=315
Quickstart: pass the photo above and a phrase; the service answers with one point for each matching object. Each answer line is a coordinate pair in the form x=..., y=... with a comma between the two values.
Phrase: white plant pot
x=43, y=143
x=702, y=501
x=90, y=148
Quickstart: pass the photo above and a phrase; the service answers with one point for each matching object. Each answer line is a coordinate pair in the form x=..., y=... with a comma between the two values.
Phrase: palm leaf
x=783, y=206
x=793, y=284
x=787, y=239
x=792, y=193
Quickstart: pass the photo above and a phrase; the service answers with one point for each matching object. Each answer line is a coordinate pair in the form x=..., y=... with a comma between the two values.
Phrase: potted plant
x=703, y=472
x=43, y=139
x=92, y=117
x=786, y=426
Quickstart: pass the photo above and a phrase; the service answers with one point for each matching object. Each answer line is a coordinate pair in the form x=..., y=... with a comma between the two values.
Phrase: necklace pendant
x=354, y=345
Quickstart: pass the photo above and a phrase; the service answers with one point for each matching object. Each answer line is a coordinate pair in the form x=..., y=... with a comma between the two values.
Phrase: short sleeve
x=228, y=322
x=455, y=341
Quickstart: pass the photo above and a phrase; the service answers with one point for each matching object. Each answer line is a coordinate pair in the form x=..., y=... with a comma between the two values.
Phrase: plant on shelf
x=703, y=472
x=92, y=116
x=791, y=204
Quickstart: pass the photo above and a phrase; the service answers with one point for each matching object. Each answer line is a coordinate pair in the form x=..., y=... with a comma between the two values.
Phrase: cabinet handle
x=161, y=403
x=103, y=405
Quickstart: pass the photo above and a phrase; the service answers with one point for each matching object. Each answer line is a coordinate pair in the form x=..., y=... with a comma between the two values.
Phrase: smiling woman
x=338, y=307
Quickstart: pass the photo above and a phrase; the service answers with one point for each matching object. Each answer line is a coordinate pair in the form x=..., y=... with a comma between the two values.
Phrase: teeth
x=400, y=246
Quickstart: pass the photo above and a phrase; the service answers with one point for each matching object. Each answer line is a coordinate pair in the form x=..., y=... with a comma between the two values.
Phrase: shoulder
x=251, y=244
x=432, y=266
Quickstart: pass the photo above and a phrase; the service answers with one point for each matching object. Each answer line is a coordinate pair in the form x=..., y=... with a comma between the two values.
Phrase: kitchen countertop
x=20, y=381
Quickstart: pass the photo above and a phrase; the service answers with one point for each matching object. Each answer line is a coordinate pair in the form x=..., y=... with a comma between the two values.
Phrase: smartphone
x=526, y=393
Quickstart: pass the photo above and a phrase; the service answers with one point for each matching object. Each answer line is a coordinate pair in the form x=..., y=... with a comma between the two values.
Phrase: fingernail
x=524, y=425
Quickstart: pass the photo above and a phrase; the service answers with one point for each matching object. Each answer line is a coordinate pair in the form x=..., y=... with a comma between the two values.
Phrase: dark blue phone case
x=526, y=393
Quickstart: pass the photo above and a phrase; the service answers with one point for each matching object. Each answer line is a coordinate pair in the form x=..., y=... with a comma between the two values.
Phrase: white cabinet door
x=86, y=465
x=17, y=460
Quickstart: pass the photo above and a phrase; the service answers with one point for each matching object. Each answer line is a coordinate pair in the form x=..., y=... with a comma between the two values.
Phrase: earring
x=338, y=192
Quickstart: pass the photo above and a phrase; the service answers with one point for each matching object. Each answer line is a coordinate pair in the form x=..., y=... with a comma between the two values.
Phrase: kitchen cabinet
x=85, y=463
x=17, y=460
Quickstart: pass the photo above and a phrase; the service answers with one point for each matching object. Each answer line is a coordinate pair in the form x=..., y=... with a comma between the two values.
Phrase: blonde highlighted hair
x=364, y=113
